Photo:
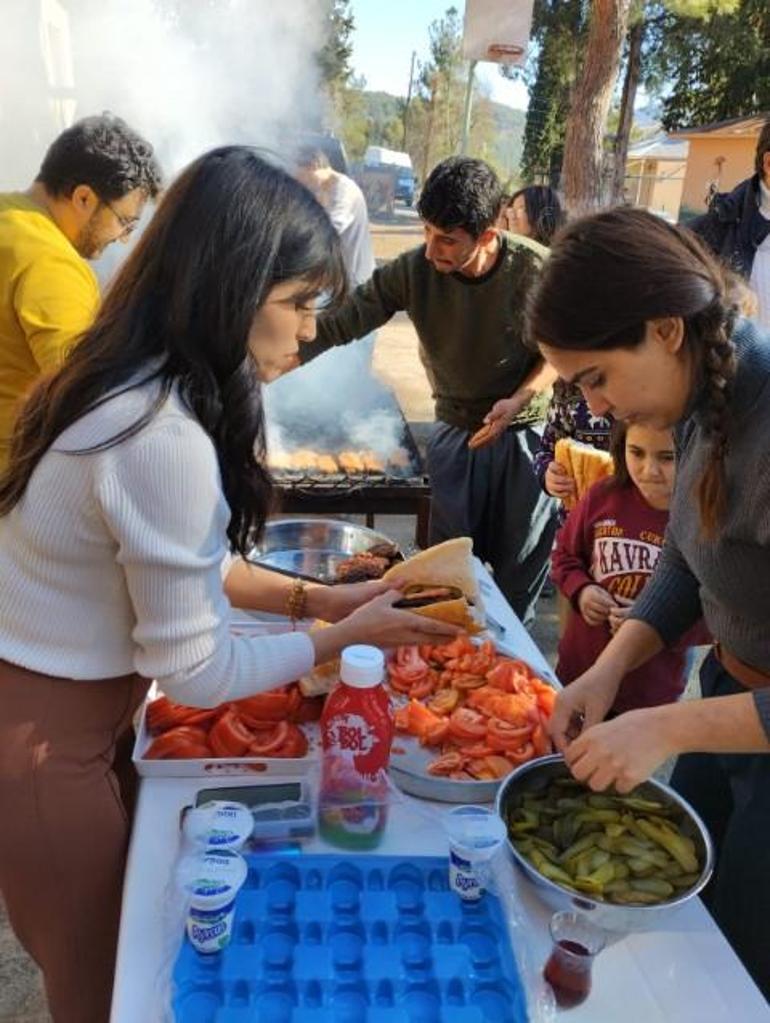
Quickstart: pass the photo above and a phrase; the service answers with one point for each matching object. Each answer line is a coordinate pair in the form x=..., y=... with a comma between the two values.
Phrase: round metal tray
x=409, y=770
x=409, y=763
x=312, y=548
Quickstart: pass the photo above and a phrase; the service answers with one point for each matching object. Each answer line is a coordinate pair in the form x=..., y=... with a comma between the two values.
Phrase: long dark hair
x=544, y=211
x=620, y=477
x=230, y=227
x=610, y=273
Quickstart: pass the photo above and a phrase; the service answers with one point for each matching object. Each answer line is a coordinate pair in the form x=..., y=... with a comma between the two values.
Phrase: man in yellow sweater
x=90, y=191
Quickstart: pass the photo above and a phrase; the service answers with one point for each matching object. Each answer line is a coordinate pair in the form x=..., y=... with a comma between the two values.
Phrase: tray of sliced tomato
x=466, y=716
x=273, y=732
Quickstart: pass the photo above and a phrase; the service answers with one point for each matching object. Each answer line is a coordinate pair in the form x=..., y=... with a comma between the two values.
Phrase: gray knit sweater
x=726, y=579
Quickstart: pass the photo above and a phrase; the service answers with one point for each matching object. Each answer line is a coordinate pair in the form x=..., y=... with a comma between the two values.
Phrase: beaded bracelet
x=296, y=600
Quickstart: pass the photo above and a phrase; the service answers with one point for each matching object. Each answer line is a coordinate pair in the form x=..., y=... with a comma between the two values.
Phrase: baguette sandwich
x=585, y=464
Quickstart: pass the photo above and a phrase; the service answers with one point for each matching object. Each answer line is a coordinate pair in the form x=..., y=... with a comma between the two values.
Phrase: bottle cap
x=362, y=666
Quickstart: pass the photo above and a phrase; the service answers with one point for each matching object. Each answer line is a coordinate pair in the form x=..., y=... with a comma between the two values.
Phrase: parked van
x=395, y=165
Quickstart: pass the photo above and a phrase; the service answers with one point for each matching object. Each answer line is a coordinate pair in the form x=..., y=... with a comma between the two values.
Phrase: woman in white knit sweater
x=134, y=473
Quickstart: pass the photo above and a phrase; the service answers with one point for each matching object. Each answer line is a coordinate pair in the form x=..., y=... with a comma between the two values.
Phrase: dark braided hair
x=612, y=272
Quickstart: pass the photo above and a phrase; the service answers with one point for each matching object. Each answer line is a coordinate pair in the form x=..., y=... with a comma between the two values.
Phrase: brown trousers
x=66, y=796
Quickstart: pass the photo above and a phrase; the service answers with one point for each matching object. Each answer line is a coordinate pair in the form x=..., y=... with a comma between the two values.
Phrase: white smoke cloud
x=187, y=74
x=331, y=404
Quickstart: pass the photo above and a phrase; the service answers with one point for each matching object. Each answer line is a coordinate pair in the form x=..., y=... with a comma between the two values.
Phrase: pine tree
x=558, y=34
x=716, y=68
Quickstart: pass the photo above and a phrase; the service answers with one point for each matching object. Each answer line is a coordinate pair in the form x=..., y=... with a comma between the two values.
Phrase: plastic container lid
x=219, y=825
x=475, y=829
x=214, y=878
x=362, y=666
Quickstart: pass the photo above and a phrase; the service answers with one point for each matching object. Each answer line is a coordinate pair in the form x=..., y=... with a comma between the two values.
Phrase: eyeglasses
x=128, y=224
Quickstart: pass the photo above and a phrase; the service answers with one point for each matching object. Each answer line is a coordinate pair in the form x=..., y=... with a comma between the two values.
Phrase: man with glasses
x=90, y=192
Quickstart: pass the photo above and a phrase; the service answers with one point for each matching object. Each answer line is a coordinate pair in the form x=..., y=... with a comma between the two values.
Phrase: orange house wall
x=737, y=163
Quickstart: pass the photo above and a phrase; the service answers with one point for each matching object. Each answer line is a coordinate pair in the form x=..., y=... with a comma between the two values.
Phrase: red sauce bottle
x=356, y=735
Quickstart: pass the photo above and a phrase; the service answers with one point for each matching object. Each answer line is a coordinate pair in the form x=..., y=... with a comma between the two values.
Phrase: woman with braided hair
x=638, y=314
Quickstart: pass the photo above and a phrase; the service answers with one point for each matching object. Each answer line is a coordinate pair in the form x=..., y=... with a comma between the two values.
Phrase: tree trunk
x=583, y=147
x=633, y=72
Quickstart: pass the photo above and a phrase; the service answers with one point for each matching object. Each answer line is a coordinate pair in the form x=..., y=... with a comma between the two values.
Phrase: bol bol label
x=351, y=735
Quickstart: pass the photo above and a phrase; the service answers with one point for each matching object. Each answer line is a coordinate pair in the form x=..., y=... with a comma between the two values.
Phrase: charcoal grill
x=398, y=486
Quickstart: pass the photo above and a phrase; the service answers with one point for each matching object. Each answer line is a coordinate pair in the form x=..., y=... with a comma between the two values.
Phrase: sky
x=386, y=33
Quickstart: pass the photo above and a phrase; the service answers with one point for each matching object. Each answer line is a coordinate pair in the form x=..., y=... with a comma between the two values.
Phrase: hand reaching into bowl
x=620, y=753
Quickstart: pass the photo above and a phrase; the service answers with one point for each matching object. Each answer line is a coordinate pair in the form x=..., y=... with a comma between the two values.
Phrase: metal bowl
x=533, y=777
x=312, y=548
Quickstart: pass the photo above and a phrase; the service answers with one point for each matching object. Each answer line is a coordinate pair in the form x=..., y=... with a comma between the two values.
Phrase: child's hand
x=595, y=604
x=558, y=482
x=619, y=613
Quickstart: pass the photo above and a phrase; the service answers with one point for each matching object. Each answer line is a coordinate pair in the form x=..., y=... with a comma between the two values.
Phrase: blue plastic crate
x=356, y=939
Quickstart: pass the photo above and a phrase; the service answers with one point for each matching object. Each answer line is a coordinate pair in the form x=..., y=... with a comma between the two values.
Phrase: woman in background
x=535, y=212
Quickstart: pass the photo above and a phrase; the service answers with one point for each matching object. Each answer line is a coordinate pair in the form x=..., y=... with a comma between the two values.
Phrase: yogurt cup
x=214, y=880
x=219, y=825
x=475, y=835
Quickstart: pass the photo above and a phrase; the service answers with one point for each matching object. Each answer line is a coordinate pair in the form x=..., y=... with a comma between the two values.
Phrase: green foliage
x=334, y=56
x=710, y=69
x=434, y=121
x=558, y=36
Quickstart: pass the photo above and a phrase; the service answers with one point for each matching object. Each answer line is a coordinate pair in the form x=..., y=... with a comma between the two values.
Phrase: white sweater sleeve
x=162, y=501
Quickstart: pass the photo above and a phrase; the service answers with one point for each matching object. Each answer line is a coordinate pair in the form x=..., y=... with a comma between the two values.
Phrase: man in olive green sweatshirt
x=464, y=291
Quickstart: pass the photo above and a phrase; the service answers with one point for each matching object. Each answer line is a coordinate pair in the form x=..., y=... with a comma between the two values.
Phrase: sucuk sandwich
x=440, y=583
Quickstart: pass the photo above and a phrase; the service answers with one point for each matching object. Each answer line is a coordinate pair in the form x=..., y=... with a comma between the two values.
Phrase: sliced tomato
x=541, y=741
x=409, y=665
x=546, y=699
x=419, y=690
x=480, y=770
x=467, y=724
x=310, y=709
x=230, y=736
x=296, y=744
x=522, y=754
x=270, y=706
x=266, y=740
x=500, y=766
x=446, y=764
x=184, y=742
x=449, y=651
x=508, y=676
x=163, y=714
x=477, y=750
x=421, y=720
x=465, y=682
x=502, y=735
x=436, y=734
x=295, y=702
x=444, y=701
x=398, y=682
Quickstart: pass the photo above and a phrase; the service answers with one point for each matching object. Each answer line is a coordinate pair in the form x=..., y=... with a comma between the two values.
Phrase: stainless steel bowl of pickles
x=625, y=860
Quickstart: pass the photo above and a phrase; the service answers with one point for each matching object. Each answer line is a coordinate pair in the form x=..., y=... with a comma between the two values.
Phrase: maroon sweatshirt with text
x=613, y=538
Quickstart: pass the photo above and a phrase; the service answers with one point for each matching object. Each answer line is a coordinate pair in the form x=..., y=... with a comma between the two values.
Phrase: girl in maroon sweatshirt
x=604, y=555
